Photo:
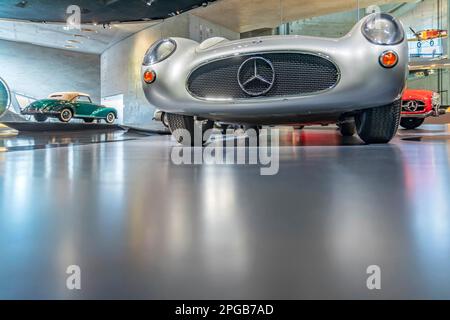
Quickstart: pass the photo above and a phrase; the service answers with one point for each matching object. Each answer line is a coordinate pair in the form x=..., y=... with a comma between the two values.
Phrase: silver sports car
x=355, y=81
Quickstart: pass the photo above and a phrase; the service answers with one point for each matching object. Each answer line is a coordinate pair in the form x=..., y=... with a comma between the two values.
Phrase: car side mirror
x=5, y=97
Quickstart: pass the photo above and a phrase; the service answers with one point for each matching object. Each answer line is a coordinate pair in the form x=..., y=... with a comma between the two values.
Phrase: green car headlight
x=159, y=51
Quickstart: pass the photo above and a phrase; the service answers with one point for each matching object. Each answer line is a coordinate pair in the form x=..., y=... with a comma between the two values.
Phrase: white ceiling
x=90, y=39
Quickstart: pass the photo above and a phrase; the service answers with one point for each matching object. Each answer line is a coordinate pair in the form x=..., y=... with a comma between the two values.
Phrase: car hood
x=410, y=94
x=225, y=44
x=44, y=103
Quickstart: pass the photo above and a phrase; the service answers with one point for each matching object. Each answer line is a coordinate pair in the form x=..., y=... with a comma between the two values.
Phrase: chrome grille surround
x=296, y=74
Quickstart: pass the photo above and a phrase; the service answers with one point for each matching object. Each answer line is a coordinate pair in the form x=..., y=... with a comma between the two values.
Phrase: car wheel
x=89, y=120
x=411, y=123
x=40, y=117
x=378, y=125
x=110, y=118
x=65, y=115
x=177, y=122
x=165, y=120
x=347, y=129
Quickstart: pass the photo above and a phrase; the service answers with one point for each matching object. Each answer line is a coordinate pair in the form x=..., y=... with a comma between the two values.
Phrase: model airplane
x=428, y=35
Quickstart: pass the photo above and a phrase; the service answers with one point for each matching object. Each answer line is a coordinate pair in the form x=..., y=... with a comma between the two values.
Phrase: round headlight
x=159, y=51
x=383, y=29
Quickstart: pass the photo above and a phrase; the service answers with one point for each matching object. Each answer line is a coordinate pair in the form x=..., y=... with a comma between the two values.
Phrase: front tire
x=411, y=123
x=378, y=125
x=181, y=122
x=347, y=129
x=65, y=115
x=165, y=120
x=40, y=117
x=110, y=118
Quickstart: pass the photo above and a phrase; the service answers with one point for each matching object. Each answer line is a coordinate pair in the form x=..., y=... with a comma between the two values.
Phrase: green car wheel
x=5, y=97
x=66, y=115
x=110, y=118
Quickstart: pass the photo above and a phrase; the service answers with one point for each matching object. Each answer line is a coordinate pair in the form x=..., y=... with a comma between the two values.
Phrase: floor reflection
x=140, y=226
x=12, y=141
x=427, y=186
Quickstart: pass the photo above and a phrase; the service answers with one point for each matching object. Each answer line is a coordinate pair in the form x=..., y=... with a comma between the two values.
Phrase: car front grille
x=295, y=74
x=407, y=107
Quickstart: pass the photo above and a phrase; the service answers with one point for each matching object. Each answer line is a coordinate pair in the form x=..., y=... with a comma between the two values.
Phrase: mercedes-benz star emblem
x=412, y=106
x=256, y=76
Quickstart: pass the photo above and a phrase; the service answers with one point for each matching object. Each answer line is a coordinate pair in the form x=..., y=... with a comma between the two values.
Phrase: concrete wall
x=331, y=26
x=39, y=71
x=201, y=29
x=121, y=64
x=121, y=68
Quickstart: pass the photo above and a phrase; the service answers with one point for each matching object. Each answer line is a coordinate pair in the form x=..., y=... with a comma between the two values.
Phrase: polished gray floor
x=141, y=227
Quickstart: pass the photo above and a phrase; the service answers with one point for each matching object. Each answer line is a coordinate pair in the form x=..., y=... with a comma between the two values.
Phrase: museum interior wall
x=121, y=63
x=38, y=71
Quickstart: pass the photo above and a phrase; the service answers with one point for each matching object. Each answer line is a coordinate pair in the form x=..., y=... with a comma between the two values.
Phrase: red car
x=418, y=105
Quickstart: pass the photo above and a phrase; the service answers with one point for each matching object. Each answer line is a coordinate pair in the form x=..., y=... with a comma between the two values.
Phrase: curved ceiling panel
x=95, y=11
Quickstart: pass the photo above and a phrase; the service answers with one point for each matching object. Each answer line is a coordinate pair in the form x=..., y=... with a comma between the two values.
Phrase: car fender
x=103, y=112
x=61, y=106
x=422, y=95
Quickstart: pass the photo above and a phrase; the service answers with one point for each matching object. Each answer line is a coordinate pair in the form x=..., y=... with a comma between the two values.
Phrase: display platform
x=12, y=141
x=59, y=126
x=147, y=131
x=90, y=197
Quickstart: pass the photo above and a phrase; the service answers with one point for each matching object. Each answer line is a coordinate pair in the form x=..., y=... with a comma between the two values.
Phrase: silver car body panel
x=363, y=83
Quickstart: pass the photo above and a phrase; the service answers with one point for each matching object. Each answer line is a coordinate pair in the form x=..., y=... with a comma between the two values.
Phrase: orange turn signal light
x=389, y=59
x=149, y=76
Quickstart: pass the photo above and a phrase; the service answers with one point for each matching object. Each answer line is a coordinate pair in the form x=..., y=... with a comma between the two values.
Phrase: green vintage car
x=4, y=97
x=70, y=105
